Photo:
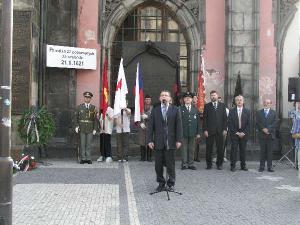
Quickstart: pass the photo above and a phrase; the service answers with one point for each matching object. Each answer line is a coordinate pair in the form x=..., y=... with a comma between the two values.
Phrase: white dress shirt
x=126, y=122
x=108, y=121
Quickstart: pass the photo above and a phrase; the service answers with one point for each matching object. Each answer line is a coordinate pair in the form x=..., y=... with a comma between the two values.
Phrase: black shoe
x=271, y=170
x=89, y=161
x=171, y=188
x=192, y=168
x=208, y=167
x=260, y=170
x=183, y=167
x=244, y=168
x=232, y=169
x=219, y=168
x=81, y=162
x=160, y=187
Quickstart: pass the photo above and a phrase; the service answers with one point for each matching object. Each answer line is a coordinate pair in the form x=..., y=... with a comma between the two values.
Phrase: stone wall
x=59, y=28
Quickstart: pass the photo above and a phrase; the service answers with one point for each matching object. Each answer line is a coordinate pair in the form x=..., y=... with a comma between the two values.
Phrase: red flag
x=201, y=89
x=105, y=92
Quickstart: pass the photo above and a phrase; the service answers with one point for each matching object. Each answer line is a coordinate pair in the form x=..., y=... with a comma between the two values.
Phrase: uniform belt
x=85, y=121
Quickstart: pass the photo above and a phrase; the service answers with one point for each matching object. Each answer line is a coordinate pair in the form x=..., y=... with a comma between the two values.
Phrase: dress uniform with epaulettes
x=191, y=129
x=86, y=121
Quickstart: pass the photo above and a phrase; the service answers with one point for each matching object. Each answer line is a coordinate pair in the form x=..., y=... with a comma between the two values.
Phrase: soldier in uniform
x=191, y=130
x=86, y=125
x=145, y=150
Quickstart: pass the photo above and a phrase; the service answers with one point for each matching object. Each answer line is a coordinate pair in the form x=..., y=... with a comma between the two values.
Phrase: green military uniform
x=191, y=128
x=86, y=120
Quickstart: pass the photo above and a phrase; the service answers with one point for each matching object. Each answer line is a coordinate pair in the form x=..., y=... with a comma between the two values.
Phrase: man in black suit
x=239, y=128
x=266, y=123
x=165, y=136
x=215, y=128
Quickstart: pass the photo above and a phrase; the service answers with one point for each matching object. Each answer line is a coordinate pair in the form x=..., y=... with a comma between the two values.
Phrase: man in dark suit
x=215, y=128
x=266, y=123
x=239, y=128
x=165, y=135
x=191, y=131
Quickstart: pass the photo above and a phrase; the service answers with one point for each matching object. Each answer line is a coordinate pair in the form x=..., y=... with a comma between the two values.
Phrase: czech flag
x=139, y=95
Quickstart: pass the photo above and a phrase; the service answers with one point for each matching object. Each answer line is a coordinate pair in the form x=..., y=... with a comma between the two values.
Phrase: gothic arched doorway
x=155, y=24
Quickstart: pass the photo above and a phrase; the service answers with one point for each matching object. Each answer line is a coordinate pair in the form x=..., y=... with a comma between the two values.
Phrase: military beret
x=188, y=94
x=88, y=94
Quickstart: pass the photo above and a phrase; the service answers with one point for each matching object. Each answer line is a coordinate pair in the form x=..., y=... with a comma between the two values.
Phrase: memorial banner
x=71, y=57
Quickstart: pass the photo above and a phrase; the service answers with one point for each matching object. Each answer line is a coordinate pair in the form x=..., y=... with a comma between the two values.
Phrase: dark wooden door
x=159, y=66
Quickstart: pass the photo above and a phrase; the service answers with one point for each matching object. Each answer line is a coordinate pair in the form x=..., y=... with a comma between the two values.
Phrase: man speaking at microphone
x=165, y=136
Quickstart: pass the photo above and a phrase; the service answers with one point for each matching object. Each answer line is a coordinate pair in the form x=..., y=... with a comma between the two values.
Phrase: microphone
x=164, y=101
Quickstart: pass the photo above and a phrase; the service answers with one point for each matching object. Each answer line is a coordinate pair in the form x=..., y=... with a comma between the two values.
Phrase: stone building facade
x=234, y=36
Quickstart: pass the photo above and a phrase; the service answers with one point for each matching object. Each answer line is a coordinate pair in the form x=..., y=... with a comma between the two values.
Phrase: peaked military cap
x=188, y=94
x=88, y=94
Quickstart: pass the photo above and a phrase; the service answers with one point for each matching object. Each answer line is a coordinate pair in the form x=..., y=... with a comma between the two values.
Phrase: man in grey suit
x=239, y=128
x=266, y=123
x=165, y=136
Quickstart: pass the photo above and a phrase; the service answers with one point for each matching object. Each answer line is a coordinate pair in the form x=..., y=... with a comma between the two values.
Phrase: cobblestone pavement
x=64, y=192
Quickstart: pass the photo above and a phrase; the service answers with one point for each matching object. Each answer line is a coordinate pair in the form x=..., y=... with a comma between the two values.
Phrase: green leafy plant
x=36, y=126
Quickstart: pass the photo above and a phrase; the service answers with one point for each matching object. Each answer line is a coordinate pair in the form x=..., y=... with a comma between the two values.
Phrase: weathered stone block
x=242, y=5
x=248, y=21
x=237, y=21
x=236, y=55
x=244, y=68
x=248, y=54
x=242, y=38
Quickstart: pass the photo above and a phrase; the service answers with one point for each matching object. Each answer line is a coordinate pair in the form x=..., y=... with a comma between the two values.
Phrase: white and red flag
x=121, y=91
x=139, y=95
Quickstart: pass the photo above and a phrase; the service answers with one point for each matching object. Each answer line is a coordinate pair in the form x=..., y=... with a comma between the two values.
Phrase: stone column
x=242, y=52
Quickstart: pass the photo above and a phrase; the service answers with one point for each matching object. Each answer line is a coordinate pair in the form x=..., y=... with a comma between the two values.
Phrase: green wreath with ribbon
x=36, y=126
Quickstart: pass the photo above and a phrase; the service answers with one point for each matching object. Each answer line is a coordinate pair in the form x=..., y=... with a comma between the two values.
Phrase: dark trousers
x=218, y=138
x=122, y=145
x=266, y=151
x=197, y=151
x=164, y=157
x=105, y=145
x=236, y=143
